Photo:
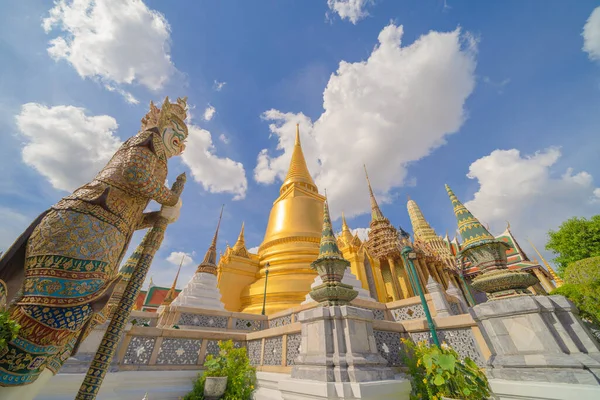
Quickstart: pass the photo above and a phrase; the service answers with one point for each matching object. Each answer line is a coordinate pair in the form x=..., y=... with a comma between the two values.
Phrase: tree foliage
x=582, y=287
x=575, y=239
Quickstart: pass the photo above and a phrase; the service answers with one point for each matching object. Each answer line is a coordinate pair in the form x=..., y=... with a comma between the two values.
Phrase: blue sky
x=511, y=99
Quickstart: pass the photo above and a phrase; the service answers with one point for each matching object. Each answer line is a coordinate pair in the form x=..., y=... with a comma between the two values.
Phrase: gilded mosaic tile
x=139, y=350
x=254, y=349
x=208, y=321
x=248, y=324
x=280, y=321
x=414, y=311
x=389, y=346
x=293, y=348
x=176, y=351
x=273, y=351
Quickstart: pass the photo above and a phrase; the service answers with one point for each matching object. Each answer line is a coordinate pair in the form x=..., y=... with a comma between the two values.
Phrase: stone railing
x=193, y=318
x=275, y=349
x=150, y=348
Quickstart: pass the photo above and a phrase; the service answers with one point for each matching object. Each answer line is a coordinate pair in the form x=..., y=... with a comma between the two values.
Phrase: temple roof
x=298, y=172
x=469, y=227
x=421, y=227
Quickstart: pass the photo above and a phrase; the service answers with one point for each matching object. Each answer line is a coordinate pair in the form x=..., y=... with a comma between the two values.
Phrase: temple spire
x=328, y=247
x=209, y=264
x=172, y=293
x=239, y=248
x=298, y=172
x=421, y=228
x=557, y=280
x=344, y=223
x=376, y=213
x=469, y=227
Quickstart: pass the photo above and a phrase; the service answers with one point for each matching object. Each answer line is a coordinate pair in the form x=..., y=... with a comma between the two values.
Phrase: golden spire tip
x=297, y=143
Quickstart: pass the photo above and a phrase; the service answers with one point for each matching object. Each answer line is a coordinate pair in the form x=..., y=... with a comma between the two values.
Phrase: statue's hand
x=171, y=213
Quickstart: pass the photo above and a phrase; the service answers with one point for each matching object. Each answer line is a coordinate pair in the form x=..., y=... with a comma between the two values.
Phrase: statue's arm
x=148, y=219
x=139, y=176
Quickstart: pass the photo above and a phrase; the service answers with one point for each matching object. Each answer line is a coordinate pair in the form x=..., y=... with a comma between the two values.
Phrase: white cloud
x=525, y=190
x=353, y=10
x=591, y=35
x=121, y=42
x=217, y=175
x=253, y=250
x=209, y=112
x=218, y=86
x=126, y=95
x=176, y=256
x=224, y=138
x=64, y=144
x=392, y=109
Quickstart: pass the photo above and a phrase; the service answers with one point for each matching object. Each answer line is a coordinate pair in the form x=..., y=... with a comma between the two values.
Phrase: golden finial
x=376, y=213
x=298, y=171
x=171, y=293
x=557, y=280
x=507, y=225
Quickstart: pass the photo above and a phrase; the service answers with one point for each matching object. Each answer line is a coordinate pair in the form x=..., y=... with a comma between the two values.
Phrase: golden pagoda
x=290, y=244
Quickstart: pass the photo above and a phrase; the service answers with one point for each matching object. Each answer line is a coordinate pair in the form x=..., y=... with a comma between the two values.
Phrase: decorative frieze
x=177, y=351
x=254, y=349
x=389, y=346
x=207, y=321
x=461, y=340
x=414, y=311
x=139, y=350
x=248, y=324
x=293, y=348
x=212, y=348
x=280, y=321
x=273, y=351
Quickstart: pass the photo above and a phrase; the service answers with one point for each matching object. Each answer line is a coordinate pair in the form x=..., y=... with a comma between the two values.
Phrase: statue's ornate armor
x=72, y=256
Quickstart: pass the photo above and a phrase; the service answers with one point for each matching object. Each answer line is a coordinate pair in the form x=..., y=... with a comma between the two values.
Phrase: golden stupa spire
x=298, y=171
x=376, y=213
x=557, y=280
x=209, y=264
x=421, y=228
x=239, y=248
x=346, y=233
x=171, y=294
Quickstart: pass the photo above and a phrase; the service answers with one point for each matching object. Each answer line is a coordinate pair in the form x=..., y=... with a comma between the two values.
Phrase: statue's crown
x=159, y=117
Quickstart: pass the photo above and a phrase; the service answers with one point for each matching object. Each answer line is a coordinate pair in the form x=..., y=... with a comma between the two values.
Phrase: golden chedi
x=291, y=242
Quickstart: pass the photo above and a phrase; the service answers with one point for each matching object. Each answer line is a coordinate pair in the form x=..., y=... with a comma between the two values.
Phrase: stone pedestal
x=438, y=297
x=339, y=359
x=348, y=279
x=200, y=292
x=538, y=338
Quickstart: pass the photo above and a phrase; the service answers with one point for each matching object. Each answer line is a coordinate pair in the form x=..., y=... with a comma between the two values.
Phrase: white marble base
x=200, y=292
x=525, y=390
x=300, y=389
x=349, y=279
x=124, y=385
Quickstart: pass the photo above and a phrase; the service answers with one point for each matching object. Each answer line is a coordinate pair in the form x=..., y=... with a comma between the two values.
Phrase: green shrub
x=438, y=371
x=585, y=297
x=583, y=272
x=234, y=364
x=9, y=329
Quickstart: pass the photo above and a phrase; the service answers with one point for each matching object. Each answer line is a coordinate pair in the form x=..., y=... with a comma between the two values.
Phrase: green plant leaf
x=438, y=380
x=447, y=362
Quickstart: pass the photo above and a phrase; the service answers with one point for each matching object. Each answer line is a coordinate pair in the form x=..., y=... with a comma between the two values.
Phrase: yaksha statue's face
x=174, y=136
